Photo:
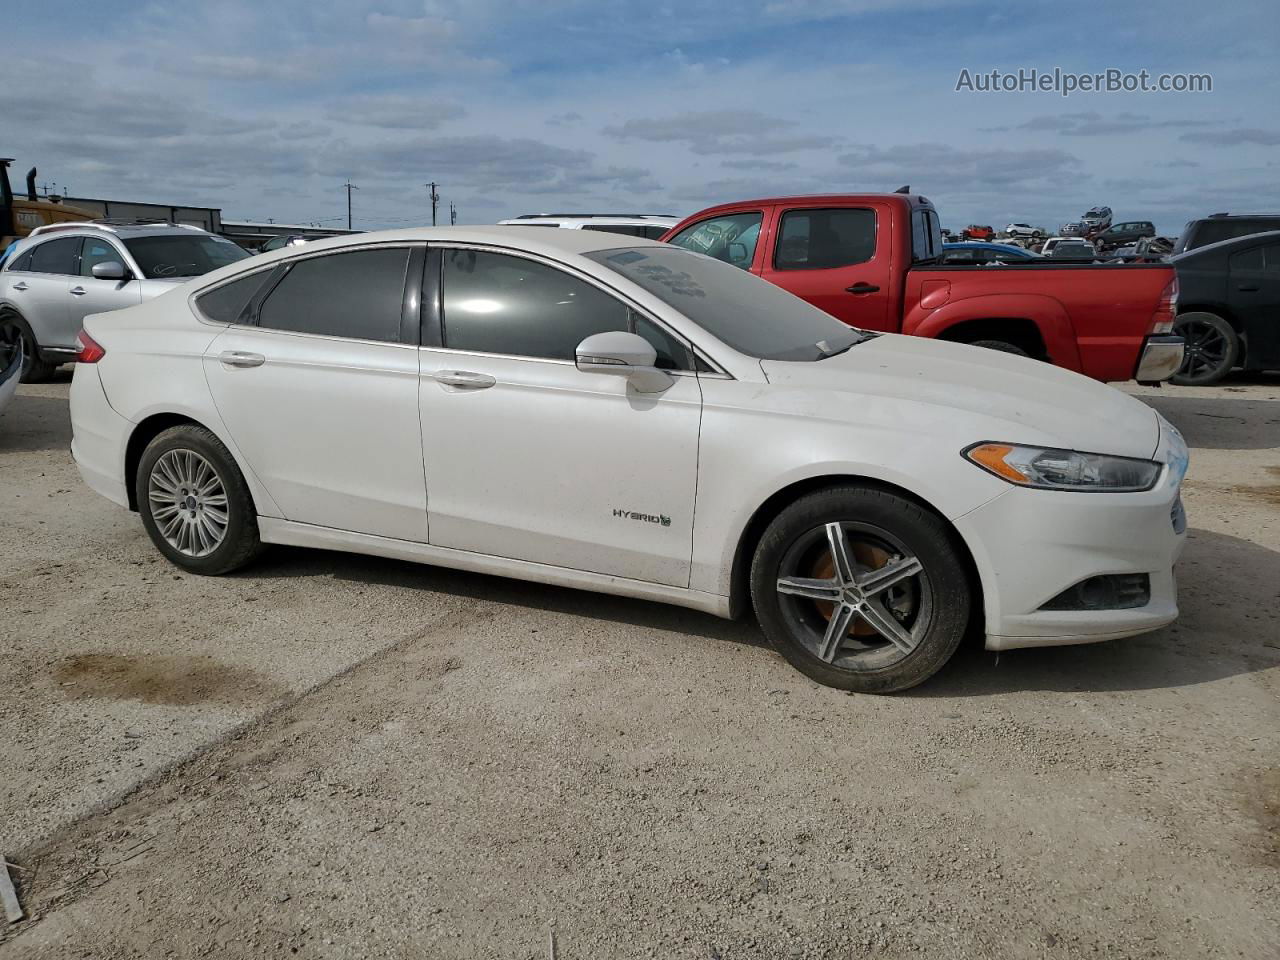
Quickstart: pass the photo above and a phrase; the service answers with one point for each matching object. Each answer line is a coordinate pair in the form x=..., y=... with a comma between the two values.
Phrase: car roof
x=91, y=228
x=1265, y=236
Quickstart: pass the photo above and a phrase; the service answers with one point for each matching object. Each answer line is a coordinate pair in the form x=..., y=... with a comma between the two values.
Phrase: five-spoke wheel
x=861, y=589
x=1212, y=349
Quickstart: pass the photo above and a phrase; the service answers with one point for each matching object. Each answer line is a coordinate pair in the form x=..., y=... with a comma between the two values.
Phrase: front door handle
x=464, y=379
x=78, y=291
x=863, y=288
x=1244, y=289
x=20, y=285
x=238, y=358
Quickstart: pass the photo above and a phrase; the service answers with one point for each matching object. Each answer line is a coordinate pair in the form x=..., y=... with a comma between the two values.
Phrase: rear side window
x=730, y=238
x=653, y=233
x=56, y=256
x=626, y=230
x=822, y=239
x=23, y=262
x=358, y=294
x=225, y=304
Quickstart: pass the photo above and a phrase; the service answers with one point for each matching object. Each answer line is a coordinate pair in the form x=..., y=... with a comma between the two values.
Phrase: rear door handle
x=238, y=358
x=464, y=379
x=862, y=288
x=1243, y=289
x=78, y=291
x=20, y=285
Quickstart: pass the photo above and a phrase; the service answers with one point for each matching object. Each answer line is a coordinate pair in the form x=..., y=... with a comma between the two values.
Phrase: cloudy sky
x=265, y=108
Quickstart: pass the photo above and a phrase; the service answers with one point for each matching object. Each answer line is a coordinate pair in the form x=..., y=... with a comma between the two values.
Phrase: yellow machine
x=18, y=217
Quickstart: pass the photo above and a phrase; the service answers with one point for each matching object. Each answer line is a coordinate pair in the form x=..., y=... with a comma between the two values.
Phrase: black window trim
x=777, y=238
x=409, y=322
x=695, y=350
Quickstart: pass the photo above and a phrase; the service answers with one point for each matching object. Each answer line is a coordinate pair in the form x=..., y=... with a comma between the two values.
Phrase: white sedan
x=630, y=417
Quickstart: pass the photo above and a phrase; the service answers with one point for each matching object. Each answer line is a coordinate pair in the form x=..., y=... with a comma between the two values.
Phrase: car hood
x=1037, y=403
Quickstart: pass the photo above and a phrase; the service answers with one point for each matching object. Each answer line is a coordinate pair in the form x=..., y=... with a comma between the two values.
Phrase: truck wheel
x=861, y=589
x=1213, y=349
x=1004, y=346
x=14, y=328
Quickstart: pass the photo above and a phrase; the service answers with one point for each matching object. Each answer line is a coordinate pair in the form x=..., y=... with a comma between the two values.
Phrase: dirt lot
x=336, y=756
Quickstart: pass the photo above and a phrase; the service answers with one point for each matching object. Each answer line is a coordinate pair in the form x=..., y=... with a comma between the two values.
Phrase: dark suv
x=1119, y=234
x=1224, y=226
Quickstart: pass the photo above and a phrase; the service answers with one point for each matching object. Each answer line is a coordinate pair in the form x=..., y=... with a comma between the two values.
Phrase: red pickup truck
x=871, y=260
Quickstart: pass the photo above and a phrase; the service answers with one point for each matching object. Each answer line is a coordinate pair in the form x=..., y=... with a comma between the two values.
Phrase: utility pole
x=435, y=199
x=350, y=186
x=453, y=214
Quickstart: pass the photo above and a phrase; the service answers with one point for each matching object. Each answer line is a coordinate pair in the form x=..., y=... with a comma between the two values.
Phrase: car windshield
x=749, y=314
x=171, y=255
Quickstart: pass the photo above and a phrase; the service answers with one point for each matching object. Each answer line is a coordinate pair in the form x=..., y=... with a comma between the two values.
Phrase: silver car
x=63, y=272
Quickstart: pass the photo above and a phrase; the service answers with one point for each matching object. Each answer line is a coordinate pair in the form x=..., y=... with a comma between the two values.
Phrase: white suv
x=1023, y=230
x=646, y=225
x=63, y=272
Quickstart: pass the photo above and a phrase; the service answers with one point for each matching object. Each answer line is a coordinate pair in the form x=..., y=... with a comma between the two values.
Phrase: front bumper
x=1160, y=359
x=1030, y=545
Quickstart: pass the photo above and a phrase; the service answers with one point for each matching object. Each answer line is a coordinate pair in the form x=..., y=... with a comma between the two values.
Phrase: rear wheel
x=1213, y=349
x=860, y=589
x=194, y=502
x=14, y=329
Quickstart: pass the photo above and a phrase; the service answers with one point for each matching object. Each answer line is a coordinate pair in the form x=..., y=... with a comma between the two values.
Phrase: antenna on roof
x=904, y=189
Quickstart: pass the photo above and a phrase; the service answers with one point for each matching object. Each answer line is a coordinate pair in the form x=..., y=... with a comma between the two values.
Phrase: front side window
x=822, y=239
x=171, y=256
x=96, y=251
x=496, y=303
x=359, y=294
x=56, y=256
x=730, y=238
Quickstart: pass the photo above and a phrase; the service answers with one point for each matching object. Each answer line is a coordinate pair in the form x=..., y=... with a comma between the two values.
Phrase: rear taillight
x=1166, y=309
x=88, y=350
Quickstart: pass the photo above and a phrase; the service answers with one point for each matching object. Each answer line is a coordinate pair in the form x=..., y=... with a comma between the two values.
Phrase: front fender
x=1047, y=313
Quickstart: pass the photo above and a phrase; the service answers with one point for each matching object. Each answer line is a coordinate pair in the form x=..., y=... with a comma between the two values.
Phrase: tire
x=1213, y=349
x=182, y=509
x=1004, y=346
x=1036, y=234
x=928, y=609
x=34, y=370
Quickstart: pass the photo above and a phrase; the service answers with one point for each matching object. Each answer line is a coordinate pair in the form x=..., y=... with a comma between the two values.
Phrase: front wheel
x=194, y=502
x=860, y=589
x=1212, y=349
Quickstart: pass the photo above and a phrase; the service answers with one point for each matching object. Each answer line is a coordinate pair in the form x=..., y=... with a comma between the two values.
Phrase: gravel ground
x=337, y=756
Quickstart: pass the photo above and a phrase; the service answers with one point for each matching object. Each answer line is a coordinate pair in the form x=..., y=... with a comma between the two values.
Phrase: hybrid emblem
x=647, y=517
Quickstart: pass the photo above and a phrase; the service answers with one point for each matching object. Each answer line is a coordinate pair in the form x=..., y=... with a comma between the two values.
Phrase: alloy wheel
x=188, y=503
x=854, y=596
x=1206, y=348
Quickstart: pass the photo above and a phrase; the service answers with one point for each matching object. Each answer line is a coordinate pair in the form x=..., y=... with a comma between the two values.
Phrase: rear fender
x=1049, y=316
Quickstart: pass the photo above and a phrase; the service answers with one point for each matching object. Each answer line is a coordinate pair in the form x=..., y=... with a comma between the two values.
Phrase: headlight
x=1048, y=469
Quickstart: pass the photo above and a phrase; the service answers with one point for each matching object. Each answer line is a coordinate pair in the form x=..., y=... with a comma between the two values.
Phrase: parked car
x=1069, y=248
x=11, y=356
x=980, y=252
x=978, y=232
x=1023, y=230
x=1224, y=226
x=1229, y=307
x=1120, y=234
x=62, y=273
x=649, y=226
x=1073, y=229
x=872, y=261
x=654, y=423
x=1095, y=220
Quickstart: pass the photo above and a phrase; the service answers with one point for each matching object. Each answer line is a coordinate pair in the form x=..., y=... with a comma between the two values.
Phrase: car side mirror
x=618, y=353
x=110, y=270
x=737, y=252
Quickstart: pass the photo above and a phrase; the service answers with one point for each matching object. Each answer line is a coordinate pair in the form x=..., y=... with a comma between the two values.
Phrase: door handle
x=1244, y=289
x=20, y=285
x=78, y=291
x=464, y=379
x=238, y=358
x=862, y=288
